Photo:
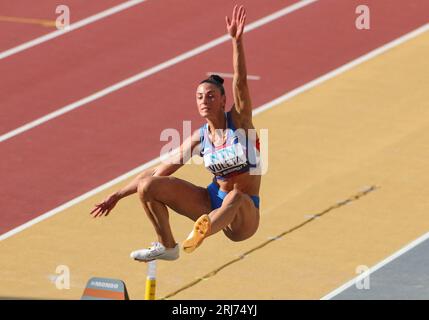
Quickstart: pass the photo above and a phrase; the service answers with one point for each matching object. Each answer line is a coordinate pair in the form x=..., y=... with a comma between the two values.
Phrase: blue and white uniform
x=237, y=155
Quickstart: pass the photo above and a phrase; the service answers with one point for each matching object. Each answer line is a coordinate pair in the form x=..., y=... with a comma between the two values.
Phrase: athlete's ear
x=224, y=101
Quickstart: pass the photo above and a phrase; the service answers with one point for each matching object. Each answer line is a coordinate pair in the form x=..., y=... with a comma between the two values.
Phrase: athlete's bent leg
x=237, y=217
x=158, y=193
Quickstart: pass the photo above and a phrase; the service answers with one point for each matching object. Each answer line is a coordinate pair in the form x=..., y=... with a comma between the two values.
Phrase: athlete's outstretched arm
x=235, y=26
x=166, y=168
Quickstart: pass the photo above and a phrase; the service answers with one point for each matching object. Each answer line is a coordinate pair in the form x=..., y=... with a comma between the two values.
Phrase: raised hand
x=104, y=208
x=235, y=26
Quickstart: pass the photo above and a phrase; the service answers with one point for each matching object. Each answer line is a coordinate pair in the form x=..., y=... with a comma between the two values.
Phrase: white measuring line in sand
x=72, y=27
x=381, y=264
x=151, y=71
x=258, y=110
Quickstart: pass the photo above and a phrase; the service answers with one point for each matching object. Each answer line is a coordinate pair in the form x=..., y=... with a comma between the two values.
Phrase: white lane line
x=72, y=27
x=78, y=199
x=258, y=110
x=344, y=68
x=381, y=264
x=231, y=75
x=151, y=71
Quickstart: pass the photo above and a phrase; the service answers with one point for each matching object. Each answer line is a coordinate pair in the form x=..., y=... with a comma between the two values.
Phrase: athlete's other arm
x=242, y=102
x=166, y=168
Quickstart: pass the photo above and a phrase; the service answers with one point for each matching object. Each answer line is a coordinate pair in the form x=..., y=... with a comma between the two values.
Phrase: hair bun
x=216, y=78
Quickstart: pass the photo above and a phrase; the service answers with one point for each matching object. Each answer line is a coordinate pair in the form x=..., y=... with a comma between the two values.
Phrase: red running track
x=13, y=34
x=71, y=155
x=87, y=60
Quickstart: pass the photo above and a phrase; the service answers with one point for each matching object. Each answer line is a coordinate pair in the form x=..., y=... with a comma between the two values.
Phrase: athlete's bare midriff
x=246, y=183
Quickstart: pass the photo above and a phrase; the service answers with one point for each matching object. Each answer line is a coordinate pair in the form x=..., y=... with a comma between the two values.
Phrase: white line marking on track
x=78, y=199
x=343, y=68
x=72, y=27
x=258, y=110
x=151, y=71
x=379, y=265
x=230, y=75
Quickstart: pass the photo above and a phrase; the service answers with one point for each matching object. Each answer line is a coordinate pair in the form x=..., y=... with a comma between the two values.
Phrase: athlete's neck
x=217, y=127
x=218, y=122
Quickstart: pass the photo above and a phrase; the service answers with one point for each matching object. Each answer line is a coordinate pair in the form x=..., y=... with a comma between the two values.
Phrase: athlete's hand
x=235, y=26
x=104, y=208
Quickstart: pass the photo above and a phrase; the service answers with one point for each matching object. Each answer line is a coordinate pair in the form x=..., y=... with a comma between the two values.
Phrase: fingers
x=98, y=210
x=242, y=14
x=228, y=23
x=108, y=210
x=100, y=213
x=97, y=213
x=102, y=209
x=241, y=22
x=243, y=19
x=97, y=207
x=234, y=13
x=238, y=15
x=238, y=12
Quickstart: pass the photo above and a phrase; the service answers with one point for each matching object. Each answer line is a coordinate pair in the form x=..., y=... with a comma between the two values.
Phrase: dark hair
x=217, y=81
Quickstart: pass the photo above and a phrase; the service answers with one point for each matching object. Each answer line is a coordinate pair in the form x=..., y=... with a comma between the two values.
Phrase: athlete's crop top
x=237, y=155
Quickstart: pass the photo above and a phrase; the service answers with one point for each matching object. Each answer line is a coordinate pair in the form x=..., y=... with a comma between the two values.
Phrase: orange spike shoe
x=198, y=234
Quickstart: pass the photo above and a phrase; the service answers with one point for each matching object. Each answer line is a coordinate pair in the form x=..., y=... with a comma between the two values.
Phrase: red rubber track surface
x=92, y=58
x=13, y=34
x=64, y=158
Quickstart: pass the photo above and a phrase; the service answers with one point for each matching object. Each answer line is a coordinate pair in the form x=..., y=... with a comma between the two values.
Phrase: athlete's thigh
x=246, y=221
x=182, y=196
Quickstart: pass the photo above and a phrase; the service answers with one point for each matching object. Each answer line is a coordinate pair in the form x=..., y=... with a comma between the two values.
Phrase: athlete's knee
x=234, y=197
x=242, y=227
x=145, y=188
x=239, y=236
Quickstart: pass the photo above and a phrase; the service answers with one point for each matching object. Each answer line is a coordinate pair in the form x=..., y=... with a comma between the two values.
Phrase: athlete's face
x=210, y=100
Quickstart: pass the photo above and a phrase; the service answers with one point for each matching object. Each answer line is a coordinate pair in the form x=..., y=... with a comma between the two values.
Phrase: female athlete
x=231, y=202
